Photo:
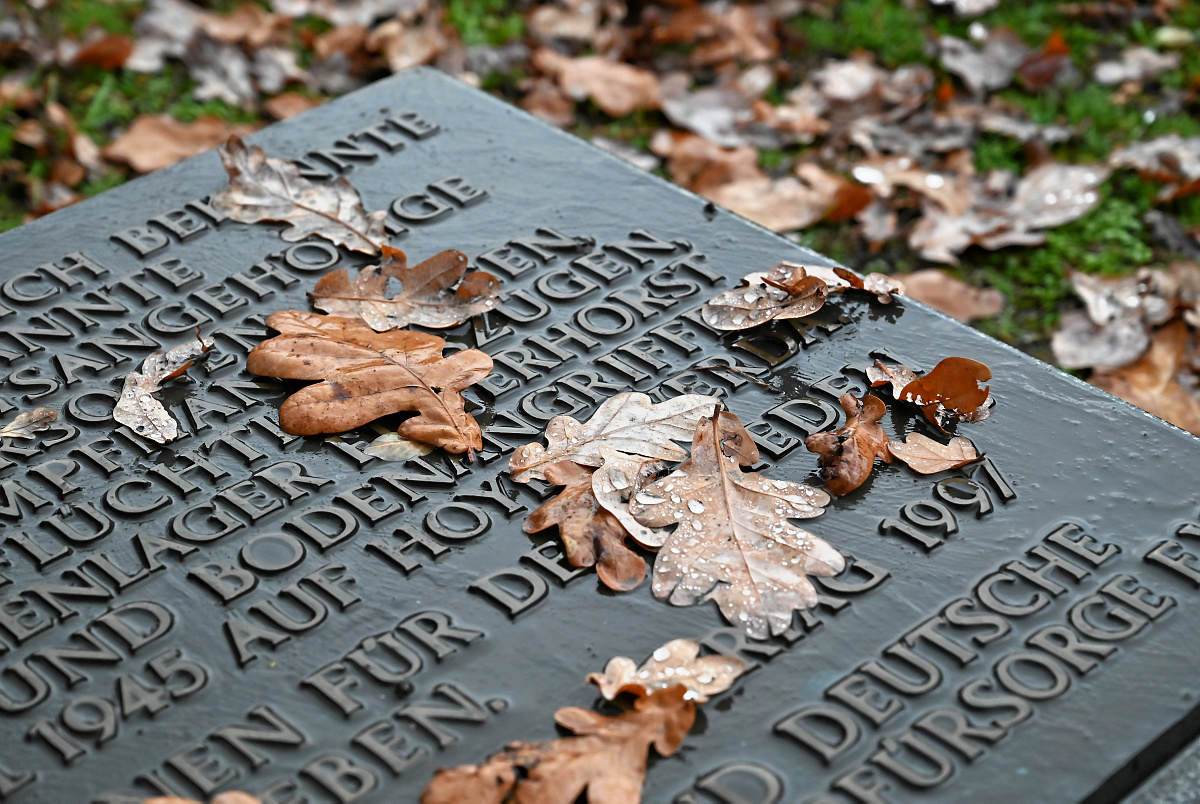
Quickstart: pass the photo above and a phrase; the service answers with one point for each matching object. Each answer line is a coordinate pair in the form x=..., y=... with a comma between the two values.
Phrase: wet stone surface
x=243, y=609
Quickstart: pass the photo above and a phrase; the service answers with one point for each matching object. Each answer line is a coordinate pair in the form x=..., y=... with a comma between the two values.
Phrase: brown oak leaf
x=925, y=456
x=26, y=424
x=263, y=188
x=880, y=285
x=425, y=298
x=848, y=453
x=733, y=542
x=950, y=392
x=606, y=757
x=1152, y=382
x=366, y=375
x=677, y=662
x=785, y=291
x=591, y=536
x=140, y=411
x=629, y=423
x=619, y=478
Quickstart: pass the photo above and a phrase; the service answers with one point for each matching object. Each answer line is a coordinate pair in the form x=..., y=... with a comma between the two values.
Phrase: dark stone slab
x=970, y=592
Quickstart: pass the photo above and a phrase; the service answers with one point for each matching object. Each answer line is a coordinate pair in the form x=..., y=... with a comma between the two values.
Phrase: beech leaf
x=677, y=662
x=140, y=411
x=733, y=542
x=366, y=375
x=848, y=453
x=591, y=536
x=425, y=299
x=785, y=291
x=951, y=392
x=606, y=757
x=26, y=424
x=629, y=423
x=927, y=457
x=263, y=188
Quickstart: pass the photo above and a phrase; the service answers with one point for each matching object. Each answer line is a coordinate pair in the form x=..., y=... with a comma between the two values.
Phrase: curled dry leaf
x=591, y=536
x=1152, y=382
x=951, y=392
x=619, y=478
x=140, y=411
x=733, y=542
x=677, y=662
x=616, y=87
x=156, y=141
x=785, y=291
x=848, y=453
x=26, y=424
x=262, y=188
x=925, y=456
x=606, y=757
x=628, y=423
x=881, y=286
x=425, y=299
x=366, y=375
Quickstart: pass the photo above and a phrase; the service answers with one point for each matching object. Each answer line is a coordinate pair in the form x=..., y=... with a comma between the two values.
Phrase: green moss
x=889, y=30
x=74, y=17
x=994, y=152
x=485, y=22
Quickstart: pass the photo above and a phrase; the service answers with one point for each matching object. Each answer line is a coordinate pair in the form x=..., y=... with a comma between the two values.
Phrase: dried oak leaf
x=606, y=757
x=952, y=296
x=367, y=375
x=880, y=285
x=156, y=141
x=140, y=411
x=591, y=536
x=629, y=423
x=26, y=424
x=951, y=392
x=925, y=456
x=848, y=453
x=262, y=188
x=425, y=298
x=619, y=478
x=677, y=662
x=785, y=291
x=733, y=542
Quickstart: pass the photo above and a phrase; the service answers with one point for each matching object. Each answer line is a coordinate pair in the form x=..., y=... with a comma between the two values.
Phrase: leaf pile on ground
x=606, y=756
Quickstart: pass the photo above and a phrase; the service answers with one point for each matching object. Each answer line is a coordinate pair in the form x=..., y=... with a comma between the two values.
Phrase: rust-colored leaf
x=951, y=296
x=591, y=535
x=140, y=411
x=366, y=375
x=107, y=52
x=26, y=424
x=629, y=423
x=925, y=456
x=262, y=188
x=677, y=662
x=848, y=453
x=606, y=758
x=156, y=141
x=951, y=392
x=881, y=286
x=785, y=291
x=426, y=298
x=733, y=543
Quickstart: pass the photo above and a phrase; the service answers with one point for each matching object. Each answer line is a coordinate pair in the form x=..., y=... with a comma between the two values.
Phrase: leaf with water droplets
x=262, y=188
x=26, y=424
x=950, y=392
x=926, y=456
x=591, y=536
x=617, y=482
x=739, y=550
x=677, y=662
x=628, y=423
x=425, y=298
x=848, y=453
x=893, y=374
x=879, y=285
x=138, y=409
x=785, y=291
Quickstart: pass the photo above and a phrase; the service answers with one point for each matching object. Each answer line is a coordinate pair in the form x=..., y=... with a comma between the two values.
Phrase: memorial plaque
x=245, y=609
